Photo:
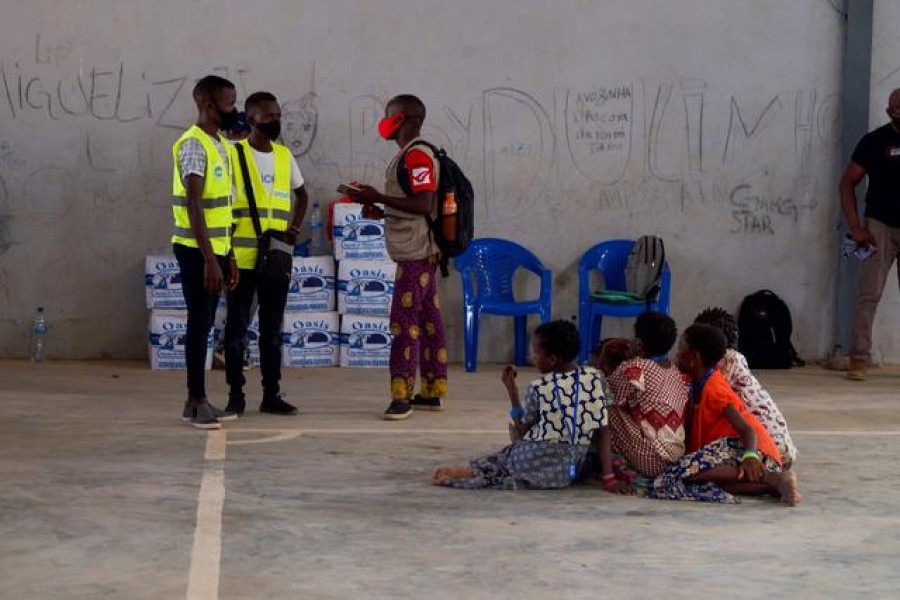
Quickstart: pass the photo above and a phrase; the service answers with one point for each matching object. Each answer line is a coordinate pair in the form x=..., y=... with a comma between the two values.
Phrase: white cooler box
x=312, y=284
x=366, y=287
x=167, y=332
x=162, y=279
x=356, y=237
x=365, y=341
x=310, y=339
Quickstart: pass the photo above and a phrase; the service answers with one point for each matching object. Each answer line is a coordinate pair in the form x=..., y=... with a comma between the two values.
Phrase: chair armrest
x=546, y=284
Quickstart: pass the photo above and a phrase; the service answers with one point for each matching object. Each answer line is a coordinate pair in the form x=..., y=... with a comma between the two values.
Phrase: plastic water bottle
x=316, y=232
x=38, y=335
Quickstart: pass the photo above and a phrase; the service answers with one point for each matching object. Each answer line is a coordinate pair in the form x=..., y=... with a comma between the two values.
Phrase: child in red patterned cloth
x=647, y=418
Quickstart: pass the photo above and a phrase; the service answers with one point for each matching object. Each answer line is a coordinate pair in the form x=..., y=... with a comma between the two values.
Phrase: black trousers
x=271, y=297
x=201, y=312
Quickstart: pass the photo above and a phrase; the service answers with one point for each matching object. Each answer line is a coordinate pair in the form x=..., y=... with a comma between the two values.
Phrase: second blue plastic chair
x=492, y=264
x=610, y=258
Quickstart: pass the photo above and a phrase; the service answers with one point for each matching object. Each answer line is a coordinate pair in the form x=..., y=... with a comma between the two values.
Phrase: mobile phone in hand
x=346, y=188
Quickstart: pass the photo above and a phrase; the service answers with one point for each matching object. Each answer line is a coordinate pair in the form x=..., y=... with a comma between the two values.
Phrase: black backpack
x=764, y=332
x=450, y=179
x=644, y=269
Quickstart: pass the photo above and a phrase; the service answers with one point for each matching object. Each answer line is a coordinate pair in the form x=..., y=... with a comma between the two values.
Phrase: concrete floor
x=101, y=485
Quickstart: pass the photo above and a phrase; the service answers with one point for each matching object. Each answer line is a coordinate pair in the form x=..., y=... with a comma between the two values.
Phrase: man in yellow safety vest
x=201, y=240
x=271, y=173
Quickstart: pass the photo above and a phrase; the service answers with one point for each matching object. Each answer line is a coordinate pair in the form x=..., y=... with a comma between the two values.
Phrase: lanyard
x=697, y=388
x=573, y=430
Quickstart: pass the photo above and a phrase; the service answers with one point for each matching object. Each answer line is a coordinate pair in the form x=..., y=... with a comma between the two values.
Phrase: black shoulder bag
x=275, y=257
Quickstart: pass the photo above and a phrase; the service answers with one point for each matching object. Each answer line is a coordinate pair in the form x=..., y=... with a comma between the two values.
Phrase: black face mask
x=227, y=119
x=271, y=130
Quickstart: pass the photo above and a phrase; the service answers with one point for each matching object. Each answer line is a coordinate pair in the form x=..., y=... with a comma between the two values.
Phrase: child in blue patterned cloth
x=563, y=414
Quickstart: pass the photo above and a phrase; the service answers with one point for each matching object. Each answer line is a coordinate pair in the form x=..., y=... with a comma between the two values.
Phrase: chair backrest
x=493, y=262
x=610, y=257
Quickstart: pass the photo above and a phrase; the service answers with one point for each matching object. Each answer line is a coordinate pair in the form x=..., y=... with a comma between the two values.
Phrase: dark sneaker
x=275, y=405
x=236, y=404
x=247, y=364
x=223, y=415
x=200, y=416
x=421, y=403
x=397, y=411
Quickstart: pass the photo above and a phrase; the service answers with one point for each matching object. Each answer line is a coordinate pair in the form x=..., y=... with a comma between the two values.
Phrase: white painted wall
x=723, y=117
x=885, y=79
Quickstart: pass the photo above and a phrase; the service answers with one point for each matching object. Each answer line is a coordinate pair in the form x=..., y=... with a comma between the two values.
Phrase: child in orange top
x=729, y=451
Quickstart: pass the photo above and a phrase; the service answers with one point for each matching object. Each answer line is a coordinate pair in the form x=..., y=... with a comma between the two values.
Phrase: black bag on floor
x=764, y=332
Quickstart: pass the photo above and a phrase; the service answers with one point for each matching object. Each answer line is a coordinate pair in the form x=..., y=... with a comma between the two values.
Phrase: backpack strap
x=248, y=189
x=403, y=180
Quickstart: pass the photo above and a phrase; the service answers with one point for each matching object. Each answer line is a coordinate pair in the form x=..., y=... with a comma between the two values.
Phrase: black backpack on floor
x=764, y=332
x=450, y=179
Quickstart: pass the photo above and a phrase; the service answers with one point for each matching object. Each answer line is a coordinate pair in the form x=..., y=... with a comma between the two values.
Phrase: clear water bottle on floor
x=39, y=335
x=317, y=232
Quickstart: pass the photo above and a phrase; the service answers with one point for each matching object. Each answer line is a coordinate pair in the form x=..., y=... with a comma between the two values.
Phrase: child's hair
x=656, y=331
x=708, y=341
x=723, y=320
x=612, y=352
x=560, y=339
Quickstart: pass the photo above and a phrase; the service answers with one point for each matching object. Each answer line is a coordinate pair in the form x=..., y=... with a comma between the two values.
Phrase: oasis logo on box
x=308, y=335
x=368, y=283
x=369, y=336
x=165, y=274
x=307, y=279
x=172, y=338
x=358, y=229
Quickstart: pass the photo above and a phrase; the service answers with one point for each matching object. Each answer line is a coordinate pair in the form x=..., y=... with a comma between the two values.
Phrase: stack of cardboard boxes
x=168, y=314
x=365, y=287
x=313, y=333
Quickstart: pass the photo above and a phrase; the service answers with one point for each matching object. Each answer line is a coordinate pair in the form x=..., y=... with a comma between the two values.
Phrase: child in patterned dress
x=754, y=396
x=563, y=414
x=729, y=452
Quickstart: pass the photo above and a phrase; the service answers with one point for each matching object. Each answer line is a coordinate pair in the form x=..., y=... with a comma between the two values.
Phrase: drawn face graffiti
x=300, y=121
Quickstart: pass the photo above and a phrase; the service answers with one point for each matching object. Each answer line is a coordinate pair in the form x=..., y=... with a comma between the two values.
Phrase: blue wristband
x=517, y=413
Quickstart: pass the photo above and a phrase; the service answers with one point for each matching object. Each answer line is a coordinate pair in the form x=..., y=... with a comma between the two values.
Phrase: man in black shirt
x=877, y=156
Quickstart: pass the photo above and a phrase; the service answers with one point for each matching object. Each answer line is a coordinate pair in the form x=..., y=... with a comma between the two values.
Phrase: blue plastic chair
x=492, y=264
x=610, y=258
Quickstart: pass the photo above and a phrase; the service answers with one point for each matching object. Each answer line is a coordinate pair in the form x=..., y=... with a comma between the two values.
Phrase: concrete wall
x=711, y=123
x=885, y=79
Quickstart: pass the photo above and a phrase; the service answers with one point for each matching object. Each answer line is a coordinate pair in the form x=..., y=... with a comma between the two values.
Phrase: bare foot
x=786, y=484
x=444, y=474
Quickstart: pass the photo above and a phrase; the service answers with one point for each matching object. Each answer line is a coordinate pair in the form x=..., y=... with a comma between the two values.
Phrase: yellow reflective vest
x=274, y=210
x=216, y=196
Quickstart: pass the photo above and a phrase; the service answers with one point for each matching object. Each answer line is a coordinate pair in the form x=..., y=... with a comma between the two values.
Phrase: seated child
x=564, y=412
x=729, y=451
x=612, y=352
x=646, y=421
x=754, y=396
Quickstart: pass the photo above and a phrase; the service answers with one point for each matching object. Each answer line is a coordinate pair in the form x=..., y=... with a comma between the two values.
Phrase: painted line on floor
x=849, y=432
x=387, y=431
x=281, y=433
x=206, y=555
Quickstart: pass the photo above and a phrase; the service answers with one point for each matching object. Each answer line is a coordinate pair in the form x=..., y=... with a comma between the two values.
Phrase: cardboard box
x=312, y=284
x=365, y=341
x=167, y=333
x=366, y=287
x=310, y=339
x=162, y=279
x=162, y=283
x=356, y=237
